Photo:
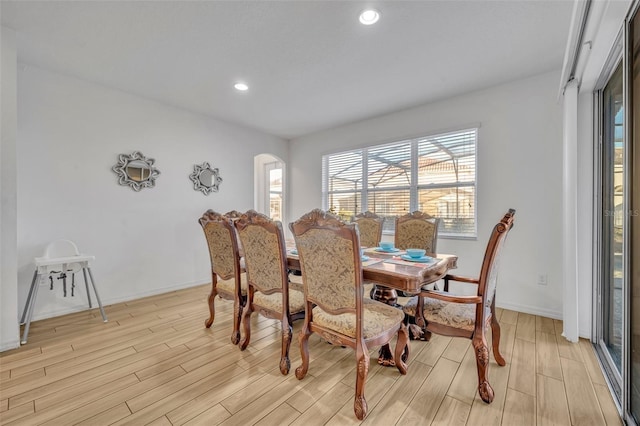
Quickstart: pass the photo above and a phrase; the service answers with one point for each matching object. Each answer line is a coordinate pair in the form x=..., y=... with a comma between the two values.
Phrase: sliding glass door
x=610, y=305
x=617, y=221
x=631, y=213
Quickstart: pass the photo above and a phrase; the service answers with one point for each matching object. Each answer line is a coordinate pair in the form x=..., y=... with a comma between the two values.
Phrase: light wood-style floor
x=155, y=363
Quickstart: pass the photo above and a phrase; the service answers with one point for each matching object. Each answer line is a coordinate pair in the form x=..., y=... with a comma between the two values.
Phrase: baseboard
x=531, y=310
x=113, y=301
x=156, y=291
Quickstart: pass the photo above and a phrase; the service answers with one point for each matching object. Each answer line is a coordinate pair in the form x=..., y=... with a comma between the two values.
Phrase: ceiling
x=310, y=65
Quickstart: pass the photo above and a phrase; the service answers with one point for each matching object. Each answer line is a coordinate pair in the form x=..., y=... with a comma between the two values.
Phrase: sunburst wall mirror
x=136, y=171
x=205, y=178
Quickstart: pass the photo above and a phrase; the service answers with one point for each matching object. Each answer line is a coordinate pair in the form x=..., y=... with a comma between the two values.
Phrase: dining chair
x=370, y=227
x=267, y=279
x=443, y=312
x=227, y=281
x=417, y=230
x=335, y=308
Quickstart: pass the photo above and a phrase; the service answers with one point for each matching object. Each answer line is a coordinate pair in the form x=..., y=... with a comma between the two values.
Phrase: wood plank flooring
x=155, y=363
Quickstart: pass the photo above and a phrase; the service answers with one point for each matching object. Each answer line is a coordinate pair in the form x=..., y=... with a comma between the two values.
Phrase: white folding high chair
x=61, y=258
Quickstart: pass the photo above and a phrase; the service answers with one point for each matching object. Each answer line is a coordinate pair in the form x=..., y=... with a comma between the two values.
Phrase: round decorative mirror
x=136, y=171
x=205, y=178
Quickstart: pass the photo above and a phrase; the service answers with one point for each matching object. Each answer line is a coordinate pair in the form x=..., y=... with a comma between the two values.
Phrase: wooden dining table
x=390, y=273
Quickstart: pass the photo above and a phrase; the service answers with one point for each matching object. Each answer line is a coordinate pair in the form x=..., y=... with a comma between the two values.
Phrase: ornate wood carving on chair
x=335, y=308
x=370, y=227
x=444, y=313
x=226, y=279
x=267, y=279
x=417, y=230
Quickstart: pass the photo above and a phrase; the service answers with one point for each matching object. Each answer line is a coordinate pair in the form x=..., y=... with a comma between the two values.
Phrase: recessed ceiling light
x=369, y=17
x=241, y=87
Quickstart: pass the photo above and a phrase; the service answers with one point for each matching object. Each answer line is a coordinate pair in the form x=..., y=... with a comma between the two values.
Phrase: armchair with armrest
x=442, y=312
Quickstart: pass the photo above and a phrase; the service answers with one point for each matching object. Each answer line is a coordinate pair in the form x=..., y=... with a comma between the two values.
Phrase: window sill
x=443, y=236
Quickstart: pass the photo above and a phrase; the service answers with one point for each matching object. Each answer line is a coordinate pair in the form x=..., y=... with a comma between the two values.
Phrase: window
x=435, y=174
x=273, y=172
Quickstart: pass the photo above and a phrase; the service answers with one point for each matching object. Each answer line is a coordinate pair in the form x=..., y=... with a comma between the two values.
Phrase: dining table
x=390, y=271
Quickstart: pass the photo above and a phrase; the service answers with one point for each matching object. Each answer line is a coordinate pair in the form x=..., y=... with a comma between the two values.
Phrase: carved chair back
x=223, y=247
x=329, y=252
x=417, y=230
x=370, y=227
x=491, y=262
x=264, y=252
x=234, y=215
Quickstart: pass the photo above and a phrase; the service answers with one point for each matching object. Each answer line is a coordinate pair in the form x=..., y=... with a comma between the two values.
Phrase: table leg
x=390, y=297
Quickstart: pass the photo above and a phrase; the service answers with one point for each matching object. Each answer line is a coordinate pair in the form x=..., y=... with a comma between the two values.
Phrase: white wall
x=519, y=166
x=70, y=133
x=8, y=253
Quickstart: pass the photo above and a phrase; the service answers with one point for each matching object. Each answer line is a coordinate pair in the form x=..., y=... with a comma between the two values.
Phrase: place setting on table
x=385, y=252
x=365, y=259
x=392, y=254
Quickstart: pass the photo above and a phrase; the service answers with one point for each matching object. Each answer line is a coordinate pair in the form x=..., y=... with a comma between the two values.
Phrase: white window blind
x=435, y=174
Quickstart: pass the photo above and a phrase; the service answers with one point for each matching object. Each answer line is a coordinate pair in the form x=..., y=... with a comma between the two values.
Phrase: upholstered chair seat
x=462, y=316
x=229, y=286
x=274, y=301
x=377, y=319
x=295, y=282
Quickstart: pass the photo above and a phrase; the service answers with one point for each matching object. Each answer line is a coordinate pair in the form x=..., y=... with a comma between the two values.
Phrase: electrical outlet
x=542, y=279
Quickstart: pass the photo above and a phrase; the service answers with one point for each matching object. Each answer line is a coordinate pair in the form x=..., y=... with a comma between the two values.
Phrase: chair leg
x=246, y=323
x=301, y=371
x=211, y=299
x=26, y=304
x=238, y=307
x=360, y=407
x=287, y=333
x=29, y=309
x=95, y=290
x=495, y=340
x=402, y=349
x=482, y=362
